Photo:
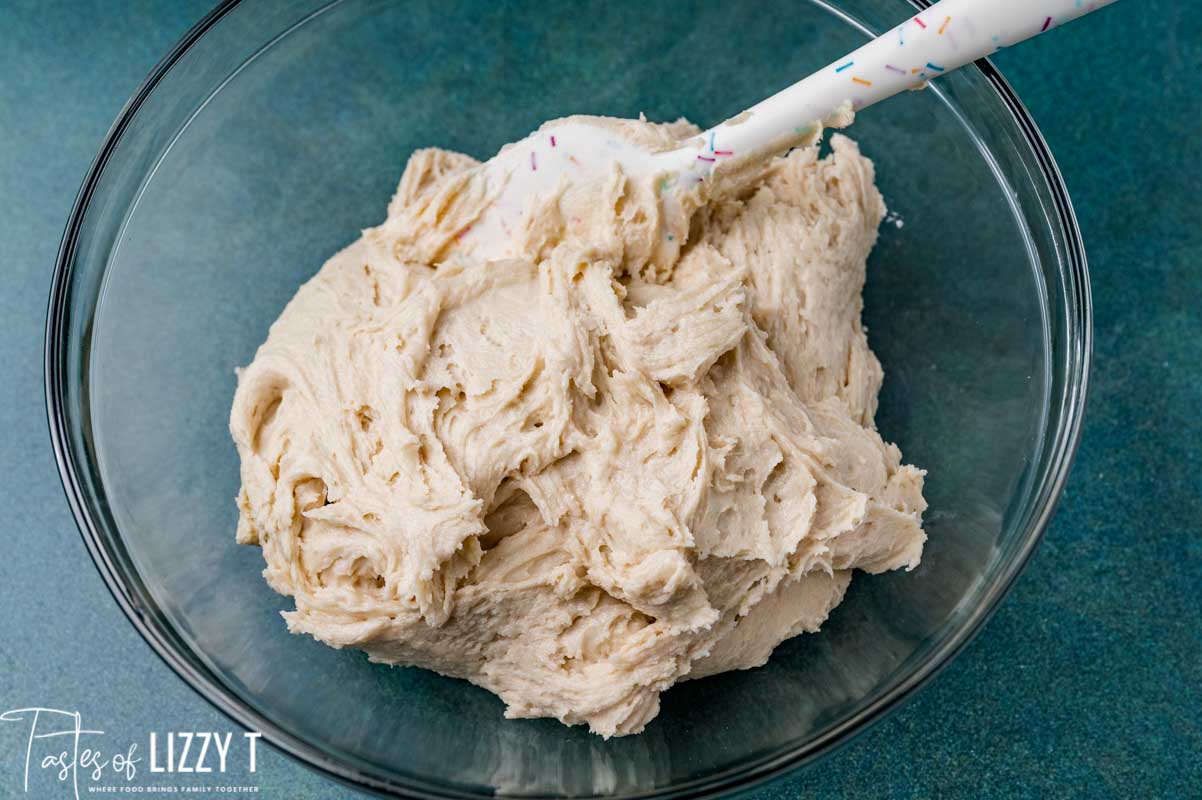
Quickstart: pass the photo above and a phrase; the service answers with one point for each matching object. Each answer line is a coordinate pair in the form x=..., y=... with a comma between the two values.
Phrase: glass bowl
x=276, y=129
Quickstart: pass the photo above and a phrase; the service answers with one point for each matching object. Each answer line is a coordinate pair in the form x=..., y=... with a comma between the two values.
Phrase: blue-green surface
x=1088, y=682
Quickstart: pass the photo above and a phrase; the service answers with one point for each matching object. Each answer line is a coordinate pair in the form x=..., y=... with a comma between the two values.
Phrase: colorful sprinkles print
x=883, y=67
x=937, y=43
x=971, y=31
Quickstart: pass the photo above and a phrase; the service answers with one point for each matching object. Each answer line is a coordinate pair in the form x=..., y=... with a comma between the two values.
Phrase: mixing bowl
x=277, y=129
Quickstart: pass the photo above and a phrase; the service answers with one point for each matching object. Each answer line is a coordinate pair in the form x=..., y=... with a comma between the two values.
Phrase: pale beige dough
x=578, y=477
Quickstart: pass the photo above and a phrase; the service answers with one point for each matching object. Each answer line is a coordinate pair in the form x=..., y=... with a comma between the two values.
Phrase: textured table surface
x=1087, y=682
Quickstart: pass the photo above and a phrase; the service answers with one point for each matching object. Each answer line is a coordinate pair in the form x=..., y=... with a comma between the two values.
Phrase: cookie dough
x=583, y=473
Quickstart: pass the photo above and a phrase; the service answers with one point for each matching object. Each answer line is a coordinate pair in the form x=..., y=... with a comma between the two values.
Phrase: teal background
x=1087, y=682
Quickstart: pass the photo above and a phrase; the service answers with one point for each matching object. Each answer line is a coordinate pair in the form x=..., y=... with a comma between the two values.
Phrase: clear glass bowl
x=277, y=129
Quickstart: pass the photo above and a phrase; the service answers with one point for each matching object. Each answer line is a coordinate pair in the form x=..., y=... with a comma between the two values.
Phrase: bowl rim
x=1061, y=453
